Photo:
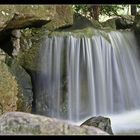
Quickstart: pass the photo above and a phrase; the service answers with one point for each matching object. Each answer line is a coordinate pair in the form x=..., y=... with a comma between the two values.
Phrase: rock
x=137, y=22
x=26, y=16
x=22, y=16
x=62, y=18
x=8, y=90
x=21, y=20
x=25, y=94
x=2, y=55
x=116, y=23
x=30, y=43
x=15, y=41
x=101, y=122
x=16, y=33
x=81, y=22
x=16, y=46
x=110, y=23
x=15, y=123
x=124, y=22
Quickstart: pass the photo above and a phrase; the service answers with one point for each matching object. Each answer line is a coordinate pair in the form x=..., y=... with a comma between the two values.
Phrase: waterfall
x=87, y=76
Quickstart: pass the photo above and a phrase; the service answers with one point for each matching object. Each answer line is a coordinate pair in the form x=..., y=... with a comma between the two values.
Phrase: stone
x=25, y=94
x=101, y=122
x=22, y=16
x=62, y=18
x=117, y=23
x=16, y=33
x=124, y=22
x=19, y=123
x=2, y=55
x=110, y=23
x=16, y=46
x=81, y=22
x=13, y=17
x=8, y=90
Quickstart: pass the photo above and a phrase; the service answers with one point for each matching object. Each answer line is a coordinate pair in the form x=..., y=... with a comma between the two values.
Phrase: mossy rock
x=20, y=16
x=88, y=32
x=31, y=40
x=25, y=94
x=80, y=22
x=8, y=90
x=62, y=18
x=110, y=24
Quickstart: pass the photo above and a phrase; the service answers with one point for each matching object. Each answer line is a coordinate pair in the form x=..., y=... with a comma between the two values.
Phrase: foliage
x=109, y=10
x=82, y=9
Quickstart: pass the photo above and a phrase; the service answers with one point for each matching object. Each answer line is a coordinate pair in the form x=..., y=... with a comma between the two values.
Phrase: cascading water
x=82, y=77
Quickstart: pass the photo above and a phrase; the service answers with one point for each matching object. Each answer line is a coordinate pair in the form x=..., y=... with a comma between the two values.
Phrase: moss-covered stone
x=42, y=12
x=110, y=24
x=86, y=32
x=30, y=45
x=80, y=22
x=20, y=16
x=8, y=90
x=62, y=18
x=25, y=95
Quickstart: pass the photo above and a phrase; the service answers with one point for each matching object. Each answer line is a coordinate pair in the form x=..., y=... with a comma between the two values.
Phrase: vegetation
x=93, y=11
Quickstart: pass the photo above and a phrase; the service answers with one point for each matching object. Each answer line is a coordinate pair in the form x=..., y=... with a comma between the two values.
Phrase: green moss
x=86, y=32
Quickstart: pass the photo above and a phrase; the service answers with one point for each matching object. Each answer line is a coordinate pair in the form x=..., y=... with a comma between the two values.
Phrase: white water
x=127, y=123
x=99, y=78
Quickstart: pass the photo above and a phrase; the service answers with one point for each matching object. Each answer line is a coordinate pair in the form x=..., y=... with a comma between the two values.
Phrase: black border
x=59, y=2
x=69, y=2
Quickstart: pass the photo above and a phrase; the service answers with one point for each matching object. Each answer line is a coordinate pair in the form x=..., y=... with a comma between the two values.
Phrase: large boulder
x=21, y=16
x=15, y=123
x=116, y=23
x=63, y=17
x=125, y=22
x=101, y=122
x=8, y=90
x=15, y=87
x=25, y=94
x=81, y=22
x=109, y=24
x=30, y=43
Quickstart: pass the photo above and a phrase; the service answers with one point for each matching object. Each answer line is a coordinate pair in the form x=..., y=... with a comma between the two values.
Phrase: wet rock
x=101, y=122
